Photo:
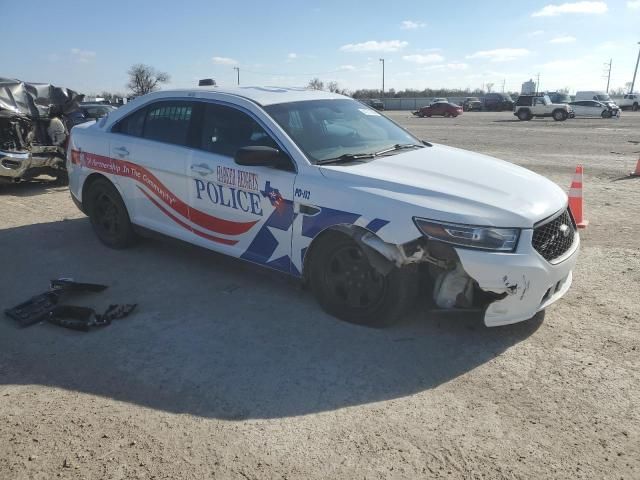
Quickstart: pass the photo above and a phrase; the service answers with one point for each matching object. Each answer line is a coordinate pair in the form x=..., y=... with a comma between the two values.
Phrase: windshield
x=603, y=98
x=325, y=129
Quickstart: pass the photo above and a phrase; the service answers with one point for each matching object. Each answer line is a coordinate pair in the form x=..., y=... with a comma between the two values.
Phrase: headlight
x=471, y=236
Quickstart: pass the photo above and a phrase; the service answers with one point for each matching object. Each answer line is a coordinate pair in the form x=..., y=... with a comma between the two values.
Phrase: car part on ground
x=47, y=307
x=34, y=125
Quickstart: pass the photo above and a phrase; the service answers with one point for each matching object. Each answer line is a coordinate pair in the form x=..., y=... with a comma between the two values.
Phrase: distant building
x=528, y=87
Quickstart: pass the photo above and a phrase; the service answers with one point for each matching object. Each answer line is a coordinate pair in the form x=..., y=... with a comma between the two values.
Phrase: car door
x=243, y=211
x=436, y=109
x=538, y=107
x=579, y=109
x=150, y=149
x=592, y=109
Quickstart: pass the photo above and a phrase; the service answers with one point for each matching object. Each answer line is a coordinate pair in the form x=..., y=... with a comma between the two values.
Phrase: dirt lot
x=228, y=371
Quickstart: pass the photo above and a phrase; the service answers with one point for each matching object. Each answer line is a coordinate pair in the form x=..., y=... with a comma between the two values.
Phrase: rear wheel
x=524, y=115
x=635, y=107
x=108, y=215
x=348, y=287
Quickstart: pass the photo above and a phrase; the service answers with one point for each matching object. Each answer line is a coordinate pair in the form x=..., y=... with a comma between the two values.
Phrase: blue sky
x=424, y=43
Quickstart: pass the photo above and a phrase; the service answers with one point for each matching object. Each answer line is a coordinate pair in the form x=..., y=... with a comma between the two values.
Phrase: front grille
x=555, y=237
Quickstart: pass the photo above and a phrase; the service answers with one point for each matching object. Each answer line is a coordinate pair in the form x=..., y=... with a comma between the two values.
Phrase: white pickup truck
x=631, y=100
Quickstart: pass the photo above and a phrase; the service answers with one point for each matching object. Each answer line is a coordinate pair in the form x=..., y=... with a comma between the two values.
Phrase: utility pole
x=503, y=82
x=633, y=82
x=608, y=74
x=382, y=60
x=538, y=84
x=237, y=69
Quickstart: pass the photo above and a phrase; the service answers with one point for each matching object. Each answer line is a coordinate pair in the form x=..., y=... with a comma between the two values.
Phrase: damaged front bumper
x=16, y=166
x=526, y=282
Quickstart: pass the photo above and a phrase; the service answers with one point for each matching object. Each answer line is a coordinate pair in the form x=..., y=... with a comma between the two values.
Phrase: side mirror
x=263, y=157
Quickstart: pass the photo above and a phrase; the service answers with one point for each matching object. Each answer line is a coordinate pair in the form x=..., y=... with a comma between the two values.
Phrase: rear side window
x=165, y=121
x=168, y=122
x=524, y=101
x=132, y=124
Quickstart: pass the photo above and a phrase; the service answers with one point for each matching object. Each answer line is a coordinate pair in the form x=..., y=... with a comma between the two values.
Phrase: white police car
x=327, y=189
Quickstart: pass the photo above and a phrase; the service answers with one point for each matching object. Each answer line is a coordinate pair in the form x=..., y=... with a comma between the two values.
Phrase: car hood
x=450, y=184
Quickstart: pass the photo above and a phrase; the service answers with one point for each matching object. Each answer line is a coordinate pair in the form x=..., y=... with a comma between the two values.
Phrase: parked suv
x=498, y=102
x=472, y=103
x=529, y=106
x=631, y=100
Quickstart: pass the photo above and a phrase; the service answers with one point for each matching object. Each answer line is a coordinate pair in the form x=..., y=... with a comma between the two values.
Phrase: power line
x=293, y=74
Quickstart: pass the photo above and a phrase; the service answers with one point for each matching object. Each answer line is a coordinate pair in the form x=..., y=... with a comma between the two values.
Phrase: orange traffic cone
x=575, y=198
x=636, y=172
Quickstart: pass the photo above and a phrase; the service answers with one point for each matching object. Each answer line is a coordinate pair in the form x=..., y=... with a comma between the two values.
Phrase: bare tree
x=144, y=79
x=564, y=90
x=489, y=87
x=316, y=84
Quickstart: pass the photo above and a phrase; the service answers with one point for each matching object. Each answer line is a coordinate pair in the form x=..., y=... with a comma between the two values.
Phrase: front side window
x=325, y=129
x=225, y=130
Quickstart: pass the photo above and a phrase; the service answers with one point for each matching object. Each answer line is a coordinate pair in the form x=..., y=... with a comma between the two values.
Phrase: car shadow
x=37, y=186
x=216, y=337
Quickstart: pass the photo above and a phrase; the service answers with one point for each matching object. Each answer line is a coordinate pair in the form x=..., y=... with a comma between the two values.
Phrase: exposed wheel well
x=347, y=229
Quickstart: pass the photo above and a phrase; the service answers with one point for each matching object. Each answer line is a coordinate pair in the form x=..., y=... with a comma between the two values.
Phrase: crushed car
x=328, y=190
x=34, y=126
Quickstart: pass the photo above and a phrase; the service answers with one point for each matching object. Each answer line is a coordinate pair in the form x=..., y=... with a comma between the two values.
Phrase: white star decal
x=299, y=242
x=283, y=237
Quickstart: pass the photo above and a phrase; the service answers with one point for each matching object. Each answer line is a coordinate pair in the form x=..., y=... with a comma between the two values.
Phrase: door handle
x=122, y=151
x=202, y=169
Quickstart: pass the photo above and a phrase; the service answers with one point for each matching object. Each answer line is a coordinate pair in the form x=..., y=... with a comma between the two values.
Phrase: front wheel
x=348, y=287
x=108, y=215
x=635, y=107
x=606, y=114
x=560, y=115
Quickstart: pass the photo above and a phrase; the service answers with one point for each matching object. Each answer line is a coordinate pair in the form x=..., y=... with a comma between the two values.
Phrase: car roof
x=265, y=95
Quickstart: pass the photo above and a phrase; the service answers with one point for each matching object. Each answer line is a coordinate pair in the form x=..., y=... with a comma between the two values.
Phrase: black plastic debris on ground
x=47, y=307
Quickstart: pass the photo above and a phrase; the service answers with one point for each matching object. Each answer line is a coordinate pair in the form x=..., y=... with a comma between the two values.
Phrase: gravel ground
x=206, y=380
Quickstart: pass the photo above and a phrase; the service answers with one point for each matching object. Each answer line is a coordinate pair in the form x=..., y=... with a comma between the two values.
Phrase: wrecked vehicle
x=324, y=188
x=34, y=127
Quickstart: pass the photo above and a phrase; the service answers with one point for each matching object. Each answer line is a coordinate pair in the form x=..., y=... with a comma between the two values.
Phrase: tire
x=606, y=114
x=560, y=115
x=446, y=115
x=524, y=115
x=634, y=107
x=349, y=288
x=108, y=215
x=62, y=179
x=421, y=115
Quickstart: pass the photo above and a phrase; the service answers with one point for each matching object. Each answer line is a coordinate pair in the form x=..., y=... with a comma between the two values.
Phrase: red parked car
x=446, y=109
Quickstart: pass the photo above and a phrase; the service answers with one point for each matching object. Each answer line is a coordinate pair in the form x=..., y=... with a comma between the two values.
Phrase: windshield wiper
x=398, y=146
x=345, y=158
